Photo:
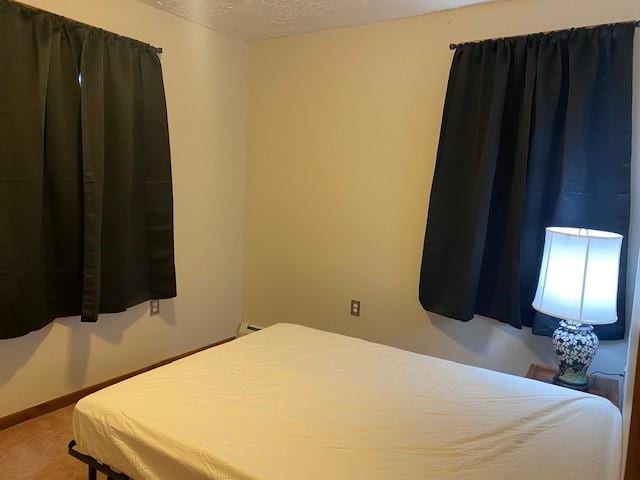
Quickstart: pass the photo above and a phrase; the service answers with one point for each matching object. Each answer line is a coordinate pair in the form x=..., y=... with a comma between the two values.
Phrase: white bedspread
x=293, y=403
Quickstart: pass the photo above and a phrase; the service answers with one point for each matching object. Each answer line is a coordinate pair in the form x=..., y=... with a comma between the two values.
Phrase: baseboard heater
x=247, y=328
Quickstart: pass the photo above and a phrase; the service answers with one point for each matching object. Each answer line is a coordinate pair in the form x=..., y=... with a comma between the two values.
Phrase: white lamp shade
x=579, y=275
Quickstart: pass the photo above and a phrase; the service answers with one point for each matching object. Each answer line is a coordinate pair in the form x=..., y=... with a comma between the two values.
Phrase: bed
x=294, y=403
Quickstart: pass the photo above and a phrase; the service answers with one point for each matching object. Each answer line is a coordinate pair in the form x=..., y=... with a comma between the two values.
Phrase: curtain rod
x=32, y=8
x=453, y=46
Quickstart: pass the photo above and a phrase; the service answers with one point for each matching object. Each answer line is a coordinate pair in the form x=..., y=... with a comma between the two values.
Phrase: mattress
x=293, y=403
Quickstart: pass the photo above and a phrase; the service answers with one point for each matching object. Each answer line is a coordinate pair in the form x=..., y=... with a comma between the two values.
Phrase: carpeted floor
x=38, y=449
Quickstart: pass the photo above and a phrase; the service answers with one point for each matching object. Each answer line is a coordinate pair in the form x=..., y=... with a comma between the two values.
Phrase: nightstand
x=598, y=385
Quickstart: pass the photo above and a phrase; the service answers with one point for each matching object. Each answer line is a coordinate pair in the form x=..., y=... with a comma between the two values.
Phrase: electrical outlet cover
x=154, y=307
x=355, y=308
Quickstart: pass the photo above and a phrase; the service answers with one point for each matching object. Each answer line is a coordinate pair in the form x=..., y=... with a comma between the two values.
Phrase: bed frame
x=93, y=466
x=632, y=471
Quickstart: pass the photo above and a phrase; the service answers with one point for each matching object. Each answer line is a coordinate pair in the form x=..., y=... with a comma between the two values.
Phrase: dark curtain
x=86, y=215
x=536, y=132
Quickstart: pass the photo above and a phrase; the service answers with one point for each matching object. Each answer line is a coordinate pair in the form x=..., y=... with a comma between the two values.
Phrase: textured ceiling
x=258, y=19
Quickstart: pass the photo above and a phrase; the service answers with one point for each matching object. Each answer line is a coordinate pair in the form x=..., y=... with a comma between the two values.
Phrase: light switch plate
x=154, y=307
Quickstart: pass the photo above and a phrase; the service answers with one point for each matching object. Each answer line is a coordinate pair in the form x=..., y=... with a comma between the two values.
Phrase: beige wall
x=343, y=128
x=205, y=76
x=343, y=131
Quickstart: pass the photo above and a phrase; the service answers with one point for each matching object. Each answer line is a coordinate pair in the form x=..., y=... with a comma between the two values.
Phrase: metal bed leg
x=95, y=466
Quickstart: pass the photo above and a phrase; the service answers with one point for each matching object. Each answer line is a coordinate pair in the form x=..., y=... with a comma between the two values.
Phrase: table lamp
x=578, y=284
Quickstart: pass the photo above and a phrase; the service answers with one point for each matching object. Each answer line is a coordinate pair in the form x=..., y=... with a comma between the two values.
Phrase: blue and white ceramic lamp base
x=575, y=344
